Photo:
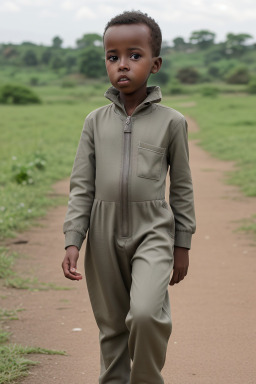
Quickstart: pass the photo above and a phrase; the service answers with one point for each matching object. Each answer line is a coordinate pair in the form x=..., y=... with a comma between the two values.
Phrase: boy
x=135, y=238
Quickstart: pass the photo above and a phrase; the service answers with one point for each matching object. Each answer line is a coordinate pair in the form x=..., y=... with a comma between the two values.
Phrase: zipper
x=125, y=178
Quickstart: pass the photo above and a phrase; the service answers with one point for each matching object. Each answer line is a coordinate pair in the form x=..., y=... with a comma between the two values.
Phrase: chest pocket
x=150, y=160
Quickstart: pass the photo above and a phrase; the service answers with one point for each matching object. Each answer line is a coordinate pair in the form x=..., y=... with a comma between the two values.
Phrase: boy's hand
x=70, y=262
x=181, y=262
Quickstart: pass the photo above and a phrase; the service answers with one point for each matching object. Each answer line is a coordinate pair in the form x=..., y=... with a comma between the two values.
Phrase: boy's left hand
x=181, y=263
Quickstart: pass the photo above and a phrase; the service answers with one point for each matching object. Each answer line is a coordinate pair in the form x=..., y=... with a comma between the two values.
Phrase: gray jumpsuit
x=117, y=191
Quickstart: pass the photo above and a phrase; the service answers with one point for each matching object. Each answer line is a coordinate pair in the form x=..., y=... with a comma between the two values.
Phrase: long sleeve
x=82, y=190
x=181, y=189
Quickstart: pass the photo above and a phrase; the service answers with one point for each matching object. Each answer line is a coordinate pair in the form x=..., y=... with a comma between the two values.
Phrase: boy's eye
x=112, y=58
x=135, y=56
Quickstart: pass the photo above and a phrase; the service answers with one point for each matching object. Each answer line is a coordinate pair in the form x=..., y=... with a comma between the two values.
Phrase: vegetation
x=12, y=280
x=17, y=94
x=200, y=53
x=14, y=363
x=37, y=145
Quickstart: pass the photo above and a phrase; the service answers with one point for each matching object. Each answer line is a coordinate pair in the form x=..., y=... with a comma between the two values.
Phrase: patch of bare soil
x=213, y=309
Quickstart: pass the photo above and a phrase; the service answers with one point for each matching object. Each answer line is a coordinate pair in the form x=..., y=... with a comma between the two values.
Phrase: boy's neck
x=132, y=101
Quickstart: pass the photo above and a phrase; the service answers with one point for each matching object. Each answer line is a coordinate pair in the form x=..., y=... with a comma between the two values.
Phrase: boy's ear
x=157, y=63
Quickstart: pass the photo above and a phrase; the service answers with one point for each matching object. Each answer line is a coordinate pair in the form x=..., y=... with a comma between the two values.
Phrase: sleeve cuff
x=73, y=238
x=183, y=239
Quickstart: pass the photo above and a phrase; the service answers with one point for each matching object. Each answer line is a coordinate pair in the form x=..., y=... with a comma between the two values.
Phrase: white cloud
x=9, y=6
x=107, y=10
x=85, y=13
x=47, y=14
x=68, y=5
x=34, y=3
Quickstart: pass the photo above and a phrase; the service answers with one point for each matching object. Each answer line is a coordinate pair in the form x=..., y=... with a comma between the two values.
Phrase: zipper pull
x=127, y=127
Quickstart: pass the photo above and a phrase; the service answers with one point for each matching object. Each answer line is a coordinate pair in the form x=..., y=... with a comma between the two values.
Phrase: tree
x=46, y=56
x=203, y=38
x=215, y=53
x=9, y=52
x=89, y=40
x=70, y=62
x=235, y=44
x=92, y=62
x=57, y=42
x=179, y=43
x=57, y=63
x=30, y=58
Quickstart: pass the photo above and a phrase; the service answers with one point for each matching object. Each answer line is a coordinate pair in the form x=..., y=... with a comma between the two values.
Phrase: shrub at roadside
x=252, y=86
x=238, y=75
x=17, y=94
x=209, y=91
x=188, y=75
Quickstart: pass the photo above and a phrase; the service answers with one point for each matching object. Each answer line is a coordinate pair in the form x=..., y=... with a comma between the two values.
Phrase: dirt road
x=213, y=309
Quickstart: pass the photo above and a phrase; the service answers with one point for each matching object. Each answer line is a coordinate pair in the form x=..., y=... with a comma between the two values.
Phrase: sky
x=38, y=21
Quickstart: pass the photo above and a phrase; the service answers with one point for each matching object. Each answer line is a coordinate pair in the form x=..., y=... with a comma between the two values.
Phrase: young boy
x=135, y=238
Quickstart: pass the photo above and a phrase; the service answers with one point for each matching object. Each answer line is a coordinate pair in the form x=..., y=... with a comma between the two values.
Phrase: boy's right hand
x=70, y=262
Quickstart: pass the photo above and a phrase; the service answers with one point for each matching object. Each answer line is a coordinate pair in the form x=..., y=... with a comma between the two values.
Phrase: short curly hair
x=138, y=17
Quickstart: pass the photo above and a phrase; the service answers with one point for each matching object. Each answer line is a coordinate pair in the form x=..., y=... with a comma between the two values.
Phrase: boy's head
x=132, y=43
x=137, y=17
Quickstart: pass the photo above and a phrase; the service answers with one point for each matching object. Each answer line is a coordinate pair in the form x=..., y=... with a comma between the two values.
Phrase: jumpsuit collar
x=154, y=95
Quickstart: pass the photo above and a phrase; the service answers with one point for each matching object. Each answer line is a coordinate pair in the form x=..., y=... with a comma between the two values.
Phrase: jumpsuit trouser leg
x=127, y=281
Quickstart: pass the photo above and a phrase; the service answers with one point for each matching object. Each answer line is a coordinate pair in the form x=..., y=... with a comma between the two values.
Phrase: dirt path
x=214, y=311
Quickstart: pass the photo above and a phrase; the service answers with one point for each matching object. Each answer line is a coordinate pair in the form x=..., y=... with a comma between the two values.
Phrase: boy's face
x=129, y=59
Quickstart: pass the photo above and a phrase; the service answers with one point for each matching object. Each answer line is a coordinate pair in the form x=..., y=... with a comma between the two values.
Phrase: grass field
x=228, y=131
x=38, y=143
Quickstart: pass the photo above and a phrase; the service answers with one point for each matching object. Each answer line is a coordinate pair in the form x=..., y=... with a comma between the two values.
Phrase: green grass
x=18, y=282
x=249, y=225
x=4, y=336
x=6, y=263
x=9, y=314
x=14, y=363
x=50, y=131
x=12, y=280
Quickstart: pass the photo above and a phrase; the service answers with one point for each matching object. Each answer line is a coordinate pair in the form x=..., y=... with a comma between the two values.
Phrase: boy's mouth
x=122, y=80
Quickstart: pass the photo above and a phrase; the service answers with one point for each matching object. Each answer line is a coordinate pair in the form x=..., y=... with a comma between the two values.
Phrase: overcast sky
x=39, y=21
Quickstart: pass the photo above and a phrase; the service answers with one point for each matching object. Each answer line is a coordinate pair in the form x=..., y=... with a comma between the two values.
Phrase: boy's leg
x=108, y=279
x=149, y=319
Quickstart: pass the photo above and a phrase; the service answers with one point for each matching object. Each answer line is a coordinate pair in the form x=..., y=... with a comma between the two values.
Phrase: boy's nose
x=123, y=65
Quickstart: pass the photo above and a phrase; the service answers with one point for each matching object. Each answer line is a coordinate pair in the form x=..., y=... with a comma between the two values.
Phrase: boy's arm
x=181, y=190
x=181, y=199
x=82, y=190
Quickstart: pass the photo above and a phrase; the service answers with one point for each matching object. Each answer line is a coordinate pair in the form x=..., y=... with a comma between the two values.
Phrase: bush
x=252, y=86
x=214, y=71
x=238, y=75
x=68, y=84
x=176, y=88
x=25, y=173
x=17, y=94
x=34, y=81
x=209, y=91
x=188, y=75
x=161, y=78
